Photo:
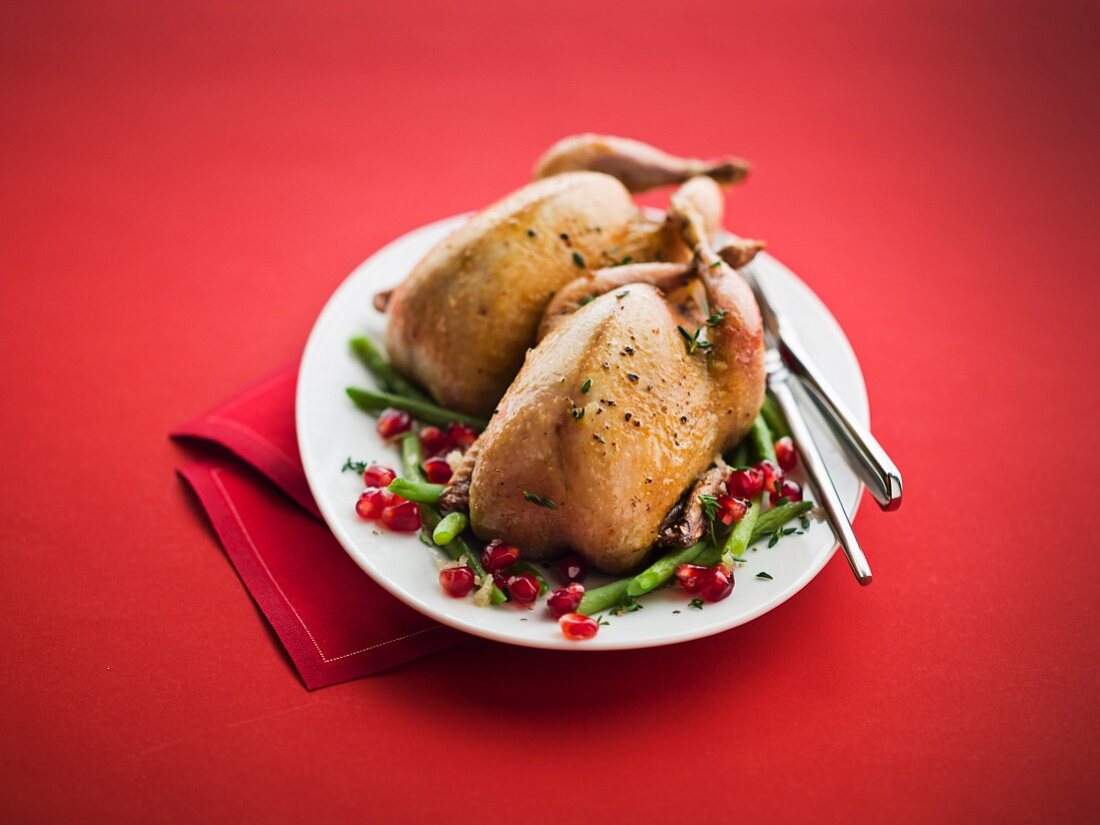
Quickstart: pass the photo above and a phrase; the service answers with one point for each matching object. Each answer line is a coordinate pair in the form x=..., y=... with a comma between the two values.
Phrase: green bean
x=412, y=489
x=777, y=422
x=662, y=570
x=412, y=456
x=457, y=548
x=602, y=598
x=766, y=523
x=776, y=517
x=741, y=534
x=739, y=455
x=452, y=525
x=711, y=555
x=429, y=518
x=762, y=440
x=497, y=596
x=524, y=567
x=425, y=411
x=387, y=377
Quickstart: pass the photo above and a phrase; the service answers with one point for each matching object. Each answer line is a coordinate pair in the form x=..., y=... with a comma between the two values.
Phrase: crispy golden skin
x=463, y=319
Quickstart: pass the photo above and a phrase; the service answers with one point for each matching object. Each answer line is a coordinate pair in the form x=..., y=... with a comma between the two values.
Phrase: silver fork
x=779, y=378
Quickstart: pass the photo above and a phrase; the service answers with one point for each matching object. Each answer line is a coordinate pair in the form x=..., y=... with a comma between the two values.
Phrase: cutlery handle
x=819, y=476
x=874, y=466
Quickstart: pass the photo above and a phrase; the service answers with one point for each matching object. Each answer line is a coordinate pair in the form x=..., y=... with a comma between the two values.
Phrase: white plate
x=330, y=429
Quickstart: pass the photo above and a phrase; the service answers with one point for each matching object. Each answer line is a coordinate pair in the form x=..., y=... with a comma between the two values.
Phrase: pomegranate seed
x=372, y=502
x=434, y=441
x=565, y=599
x=573, y=568
x=402, y=516
x=461, y=436
x=497, y=555
x=746, y=483
x=392, y=423
x=717, y=584
x=523, y=588
x=577, y=628
x=787, y=489
x=730, y=510
x=771, y=473
x=457, y=581
x=501, y=579
x=378, y=475
x=690, y=576
x=785, y=453
x=437, y=470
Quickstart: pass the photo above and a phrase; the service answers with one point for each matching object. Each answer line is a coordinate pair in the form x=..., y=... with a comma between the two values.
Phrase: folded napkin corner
x=335, y=622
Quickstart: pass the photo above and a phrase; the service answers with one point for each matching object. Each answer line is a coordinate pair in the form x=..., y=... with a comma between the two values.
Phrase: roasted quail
x=462, y=321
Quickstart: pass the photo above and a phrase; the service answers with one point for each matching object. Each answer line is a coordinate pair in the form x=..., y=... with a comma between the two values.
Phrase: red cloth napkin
x=333, y=620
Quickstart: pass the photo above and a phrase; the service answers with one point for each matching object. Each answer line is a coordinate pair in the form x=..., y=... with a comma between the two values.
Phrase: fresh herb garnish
x=601, y=621
x=710, y=506
x=623, y=294
x=780, y=533
x=578, y=259
x=359, y=467
x=693, y=342
x=622, y=261
x=696, y=603
x=587, y=299
x=715, y=319
x=541, y=501
x=632, y=377
x=631, y=605
x=578, y=413
x=587, y=385
x=805, y=522
x=765, y=576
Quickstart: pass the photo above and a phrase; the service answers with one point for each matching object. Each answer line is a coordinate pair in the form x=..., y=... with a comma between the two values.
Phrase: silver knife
x=878, y=472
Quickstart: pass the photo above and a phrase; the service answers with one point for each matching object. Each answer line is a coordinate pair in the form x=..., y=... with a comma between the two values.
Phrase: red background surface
x=184, y=185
